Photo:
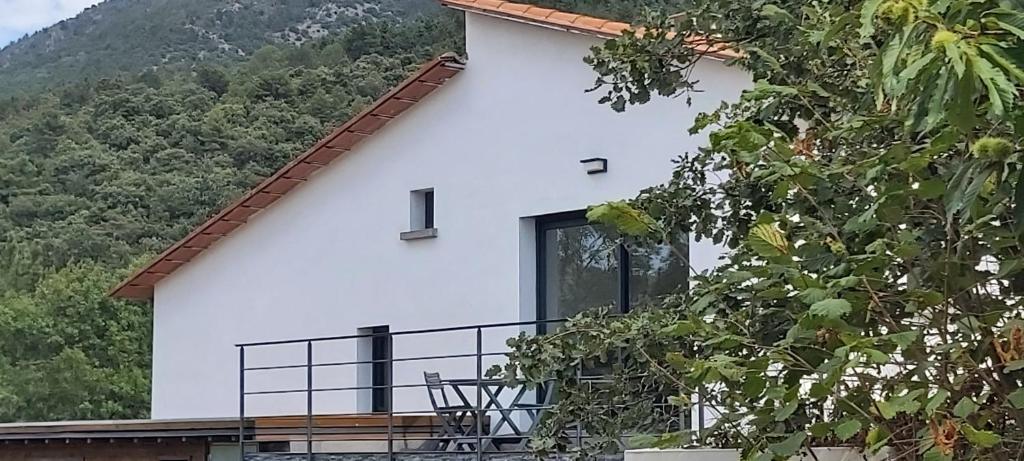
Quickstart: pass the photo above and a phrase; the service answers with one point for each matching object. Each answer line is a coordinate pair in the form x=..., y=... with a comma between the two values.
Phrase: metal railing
x=487, y=421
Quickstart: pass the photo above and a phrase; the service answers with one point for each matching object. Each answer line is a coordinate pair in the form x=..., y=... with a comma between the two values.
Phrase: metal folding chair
x=455, y=433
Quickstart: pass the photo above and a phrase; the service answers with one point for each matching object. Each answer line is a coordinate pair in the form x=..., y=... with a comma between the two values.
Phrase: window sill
x=420, y=234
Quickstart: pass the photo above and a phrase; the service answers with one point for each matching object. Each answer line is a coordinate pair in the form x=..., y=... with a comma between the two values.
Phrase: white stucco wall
x=499, y=143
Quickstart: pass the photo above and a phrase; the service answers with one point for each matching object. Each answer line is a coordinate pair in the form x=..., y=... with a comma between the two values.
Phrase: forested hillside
x=97, y=175
x=129, y=129
x=131, y=35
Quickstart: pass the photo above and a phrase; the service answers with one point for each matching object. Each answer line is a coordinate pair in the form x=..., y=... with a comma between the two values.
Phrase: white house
x=453, y=200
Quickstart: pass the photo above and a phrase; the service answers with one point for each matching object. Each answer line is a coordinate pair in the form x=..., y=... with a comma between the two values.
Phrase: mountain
x=133, y=35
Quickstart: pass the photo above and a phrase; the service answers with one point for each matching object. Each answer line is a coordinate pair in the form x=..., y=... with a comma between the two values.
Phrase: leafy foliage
x=872, y=208
x=96, y=176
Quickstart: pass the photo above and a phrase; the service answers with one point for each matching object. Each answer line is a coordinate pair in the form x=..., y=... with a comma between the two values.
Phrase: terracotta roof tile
x=165, y=266
x=185, y=253
x=282, y=185
x=347, y=140
x=516, y=7
x=302, y=170
x=370, y=124
x=260, y=200
x=563, y=17
x=587, y=21
x=492, y=3
x=535, y=12
x=149, y=278
x=416, y=91
x=560, y=20
x=203, y=240
x=242, y=213
x=326, y=155
x=394, y=107
x=223, y=227
x=373, y=119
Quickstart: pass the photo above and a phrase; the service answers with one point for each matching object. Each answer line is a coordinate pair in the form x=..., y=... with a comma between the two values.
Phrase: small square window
x=421, y=215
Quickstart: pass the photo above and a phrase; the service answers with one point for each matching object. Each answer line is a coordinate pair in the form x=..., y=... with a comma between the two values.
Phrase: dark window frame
x=380, y=351
x=428, y=209
x=568, y=220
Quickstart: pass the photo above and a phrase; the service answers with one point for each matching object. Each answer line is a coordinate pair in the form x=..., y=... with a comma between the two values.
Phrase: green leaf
x=820, y=429
x=768, y=241
x=847, y=429
x=867, y=19
x=956, y=57
x=785, y=411
x=744, y=141
x=1001, y=92
x=903, y=339
x=754, y=386
x=910, y=72
x=771, y=60
x=790, y=446
x=1013, y=365
x=812, y=295
x=1004, y=61
x=624, y=218
x=777, y=14
x=960, y=109
x=936, y=401
x=965, y=186
x=931, y=189
x=981, y=439
x=885, y=409
x=876, y=438
x=934, y=454
x=1018, y=205
x=876, y=356
x=1016, y=398
x=1010, y=20
x=964, y=408
x=831, y=308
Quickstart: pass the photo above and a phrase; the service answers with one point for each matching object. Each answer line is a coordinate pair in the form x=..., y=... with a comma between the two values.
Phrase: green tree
x=212, y=79
x=72, y=352
x=873, y=210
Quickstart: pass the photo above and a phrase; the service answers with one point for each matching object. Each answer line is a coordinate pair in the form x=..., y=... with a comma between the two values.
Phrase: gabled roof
x=413, y=90
x=428, y=78
x=561, y=20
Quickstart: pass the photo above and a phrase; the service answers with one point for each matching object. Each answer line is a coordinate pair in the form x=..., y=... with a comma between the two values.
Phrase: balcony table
x=492, y=389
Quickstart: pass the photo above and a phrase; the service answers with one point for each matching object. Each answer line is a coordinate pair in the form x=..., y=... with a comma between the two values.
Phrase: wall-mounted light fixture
x=595, y=165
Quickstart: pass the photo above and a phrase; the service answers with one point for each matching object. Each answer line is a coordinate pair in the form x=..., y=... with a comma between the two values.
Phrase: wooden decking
x=346, y=428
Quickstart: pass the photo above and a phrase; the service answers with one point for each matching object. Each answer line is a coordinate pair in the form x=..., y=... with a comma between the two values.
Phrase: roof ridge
x=572, y=22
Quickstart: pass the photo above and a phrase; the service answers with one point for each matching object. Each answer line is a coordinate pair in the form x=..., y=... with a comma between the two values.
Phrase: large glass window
x=584, y=266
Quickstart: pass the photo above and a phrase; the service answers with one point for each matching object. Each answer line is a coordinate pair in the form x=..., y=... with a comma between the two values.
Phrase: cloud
x=20, y=17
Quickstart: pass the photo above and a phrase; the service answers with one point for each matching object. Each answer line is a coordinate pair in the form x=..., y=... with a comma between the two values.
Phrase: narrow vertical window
x=381, y=354
x=428, y=209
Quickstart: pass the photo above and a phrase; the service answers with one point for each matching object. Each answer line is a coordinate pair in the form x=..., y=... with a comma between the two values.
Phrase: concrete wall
x=499, y=144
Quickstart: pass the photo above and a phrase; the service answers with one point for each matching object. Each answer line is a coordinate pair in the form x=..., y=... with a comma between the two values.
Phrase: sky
x=20, y=17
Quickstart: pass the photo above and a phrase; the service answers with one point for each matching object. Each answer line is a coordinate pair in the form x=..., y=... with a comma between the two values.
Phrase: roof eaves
x=418, y=86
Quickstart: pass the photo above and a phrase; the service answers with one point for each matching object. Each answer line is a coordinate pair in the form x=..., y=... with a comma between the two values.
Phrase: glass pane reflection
x=581, y=270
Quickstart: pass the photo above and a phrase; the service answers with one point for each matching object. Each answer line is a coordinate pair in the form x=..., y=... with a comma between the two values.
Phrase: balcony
x=419, y=394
